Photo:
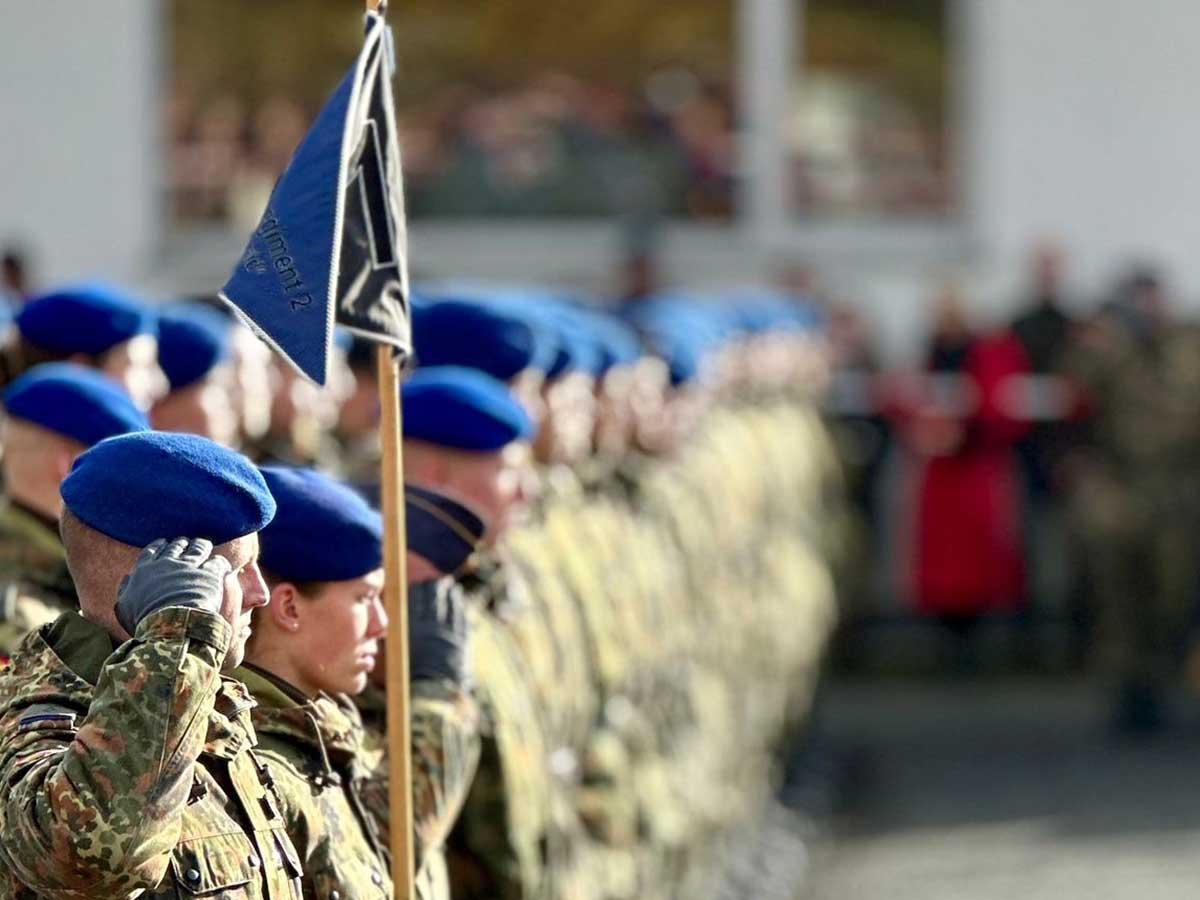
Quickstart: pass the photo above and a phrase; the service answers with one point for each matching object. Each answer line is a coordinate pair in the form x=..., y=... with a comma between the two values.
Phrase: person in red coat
x=966, y=555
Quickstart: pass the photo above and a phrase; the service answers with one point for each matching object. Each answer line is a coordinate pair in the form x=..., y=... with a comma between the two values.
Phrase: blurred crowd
x=1043, y=471
x=651, y=590
x=559, y=146
x=553, y=146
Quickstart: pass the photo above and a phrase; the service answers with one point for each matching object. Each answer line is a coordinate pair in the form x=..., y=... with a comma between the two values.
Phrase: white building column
x=768, y=51
x=80, y=157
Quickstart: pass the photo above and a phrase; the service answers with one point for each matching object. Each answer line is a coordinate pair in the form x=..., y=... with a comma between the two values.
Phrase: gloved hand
x=182, y=572
x=438, y=632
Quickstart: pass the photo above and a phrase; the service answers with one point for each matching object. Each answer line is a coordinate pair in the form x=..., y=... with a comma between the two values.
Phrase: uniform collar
x=82, y=645
x=329, y=726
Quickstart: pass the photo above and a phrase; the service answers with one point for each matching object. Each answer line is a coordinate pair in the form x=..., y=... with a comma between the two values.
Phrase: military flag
x=331, y=245
x=331, y=248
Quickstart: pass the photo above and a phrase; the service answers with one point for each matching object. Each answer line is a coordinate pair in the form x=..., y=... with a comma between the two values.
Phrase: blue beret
x=190, y=345
x=85, y=319
x=439, y=529
x=74, y=401
x=322, y=531
x=463, y=408
x=682, y=356
x=618, y=343
x=137, y=488
x=578, y=351
x=765, y=309
x=491, y=339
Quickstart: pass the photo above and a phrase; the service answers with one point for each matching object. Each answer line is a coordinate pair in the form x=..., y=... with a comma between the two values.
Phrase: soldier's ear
x=285, y=609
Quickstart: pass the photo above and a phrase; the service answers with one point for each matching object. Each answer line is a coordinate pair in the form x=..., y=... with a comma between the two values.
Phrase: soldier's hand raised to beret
x=182, y=572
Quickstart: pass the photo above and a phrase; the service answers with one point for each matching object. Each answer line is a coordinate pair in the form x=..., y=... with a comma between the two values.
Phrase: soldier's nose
x=379, y=620
x=254, y=589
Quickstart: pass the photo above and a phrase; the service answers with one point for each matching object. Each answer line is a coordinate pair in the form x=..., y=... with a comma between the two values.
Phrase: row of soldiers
x=620, y=530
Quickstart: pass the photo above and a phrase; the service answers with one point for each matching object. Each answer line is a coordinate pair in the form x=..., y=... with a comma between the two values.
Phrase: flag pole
x=396, y=645
x=395, y=590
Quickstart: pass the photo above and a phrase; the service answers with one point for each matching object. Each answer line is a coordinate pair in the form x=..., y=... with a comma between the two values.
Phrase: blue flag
x=331, y=246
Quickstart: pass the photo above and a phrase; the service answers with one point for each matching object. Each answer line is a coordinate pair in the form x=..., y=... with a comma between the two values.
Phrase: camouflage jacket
x=35, y=585
x=445, y=752
x=131, y=769
x=312, y=749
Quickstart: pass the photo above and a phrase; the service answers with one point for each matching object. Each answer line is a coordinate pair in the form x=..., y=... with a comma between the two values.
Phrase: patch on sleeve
x=44, y=715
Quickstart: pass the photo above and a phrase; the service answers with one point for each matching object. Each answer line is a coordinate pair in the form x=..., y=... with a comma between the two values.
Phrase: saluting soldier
x=126, y=755
x=53, y=413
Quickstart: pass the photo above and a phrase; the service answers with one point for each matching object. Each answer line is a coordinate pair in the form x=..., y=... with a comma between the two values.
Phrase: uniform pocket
x=216, y=865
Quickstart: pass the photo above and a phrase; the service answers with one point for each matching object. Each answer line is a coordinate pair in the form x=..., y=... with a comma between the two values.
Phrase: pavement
x=1002, y=788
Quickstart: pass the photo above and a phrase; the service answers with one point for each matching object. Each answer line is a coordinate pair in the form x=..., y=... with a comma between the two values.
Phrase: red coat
x=966, y=550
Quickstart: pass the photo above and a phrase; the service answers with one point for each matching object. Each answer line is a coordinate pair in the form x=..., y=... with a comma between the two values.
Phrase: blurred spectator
x=862, y=435
x=860, y=429
x=1043, y=326
x=1135, y=490
x=967, y=555
x=1044, y=329
x=951, y=339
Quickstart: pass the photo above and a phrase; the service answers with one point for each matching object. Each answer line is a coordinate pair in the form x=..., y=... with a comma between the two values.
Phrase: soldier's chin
x=235, y=656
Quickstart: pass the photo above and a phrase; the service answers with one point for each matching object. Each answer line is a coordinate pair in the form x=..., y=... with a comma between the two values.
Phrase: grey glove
x=179, y=573
x=438, y=632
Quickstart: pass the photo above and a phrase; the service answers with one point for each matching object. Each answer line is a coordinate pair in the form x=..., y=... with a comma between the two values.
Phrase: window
x=870, y=129
x=521, y=109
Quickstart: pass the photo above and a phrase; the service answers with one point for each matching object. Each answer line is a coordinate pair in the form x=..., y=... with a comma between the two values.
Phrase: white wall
x=78, y=163
x=1084, y=126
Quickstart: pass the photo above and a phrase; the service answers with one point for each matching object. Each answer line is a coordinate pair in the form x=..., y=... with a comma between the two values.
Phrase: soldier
x=93, y=325
x=313, y=650
x=1135, y=499
x=127, y=763
x=194, y=353
x=444, y=717
x=54, y=413
x=466, y=435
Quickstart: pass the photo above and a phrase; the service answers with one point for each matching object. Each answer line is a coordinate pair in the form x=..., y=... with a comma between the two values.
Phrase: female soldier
x=313, y=648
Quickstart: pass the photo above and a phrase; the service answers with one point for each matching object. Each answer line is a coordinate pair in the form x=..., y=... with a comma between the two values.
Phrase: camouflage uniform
x=519, y=833
x=131, y=769
x=312, y=749
x=1135, y=504
x=445, y=752
x=35, y=585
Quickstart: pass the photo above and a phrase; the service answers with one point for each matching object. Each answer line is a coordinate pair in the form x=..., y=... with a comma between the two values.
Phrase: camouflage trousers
x=1137, y=542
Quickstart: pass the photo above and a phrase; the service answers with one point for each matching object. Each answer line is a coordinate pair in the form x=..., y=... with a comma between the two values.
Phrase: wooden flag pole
x=396, y=600
x=395, y=566
x=395, y=595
